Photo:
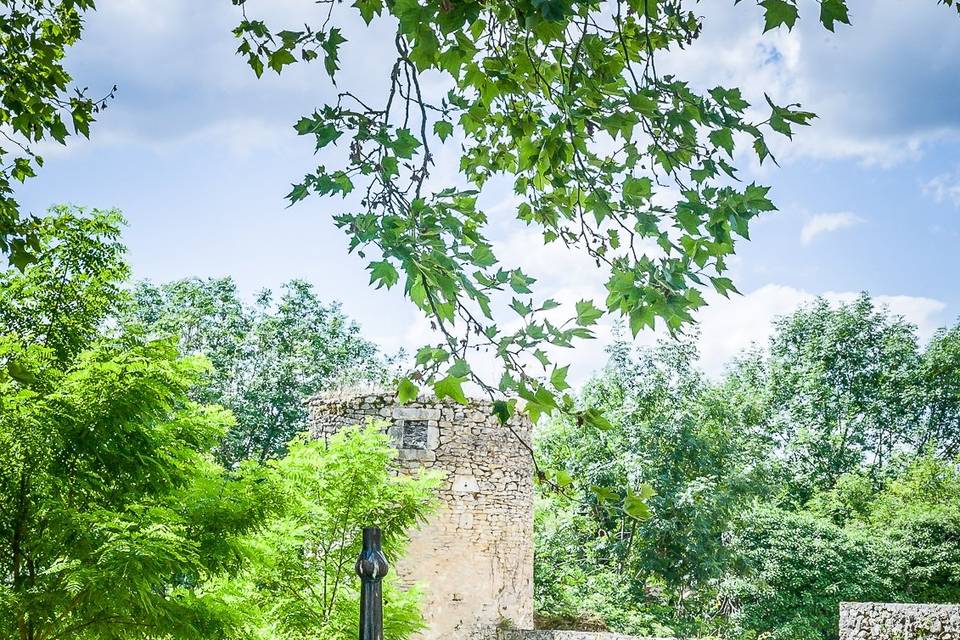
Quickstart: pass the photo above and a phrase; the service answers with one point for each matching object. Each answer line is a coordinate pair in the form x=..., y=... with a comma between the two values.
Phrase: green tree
x=268, y=357
x=843, y=389
x=36, y=102
x=116, y=521
x=329, y=493
x=563, y=100
x=940, y=381
x=76, y=284
x=112, y=514
x=691, y=461
x=917, y=510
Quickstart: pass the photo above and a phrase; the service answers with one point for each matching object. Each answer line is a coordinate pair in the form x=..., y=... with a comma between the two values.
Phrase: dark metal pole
x=371, y=567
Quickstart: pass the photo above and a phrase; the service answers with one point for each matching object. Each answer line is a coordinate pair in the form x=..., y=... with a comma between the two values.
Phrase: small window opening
x=414, y=434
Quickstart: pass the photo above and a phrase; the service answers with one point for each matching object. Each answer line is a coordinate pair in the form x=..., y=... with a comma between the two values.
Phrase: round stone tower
x=475, y=556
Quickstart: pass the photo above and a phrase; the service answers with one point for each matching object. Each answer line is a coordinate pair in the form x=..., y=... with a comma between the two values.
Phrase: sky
x=198, y=154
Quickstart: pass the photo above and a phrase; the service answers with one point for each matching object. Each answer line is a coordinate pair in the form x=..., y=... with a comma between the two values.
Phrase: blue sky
x=198, y=154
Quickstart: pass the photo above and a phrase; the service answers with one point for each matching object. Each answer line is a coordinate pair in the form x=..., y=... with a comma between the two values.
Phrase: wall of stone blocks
x=474, y=557
x=883, y=621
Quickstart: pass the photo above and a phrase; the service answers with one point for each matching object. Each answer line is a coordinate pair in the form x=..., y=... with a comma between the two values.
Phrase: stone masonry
x=881, y=621
x=475, y=556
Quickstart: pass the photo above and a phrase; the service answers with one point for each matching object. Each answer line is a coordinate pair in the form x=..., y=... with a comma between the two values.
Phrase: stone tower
x=475, y=556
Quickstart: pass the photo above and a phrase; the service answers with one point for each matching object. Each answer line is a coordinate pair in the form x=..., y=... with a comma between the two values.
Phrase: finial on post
x=371, y=567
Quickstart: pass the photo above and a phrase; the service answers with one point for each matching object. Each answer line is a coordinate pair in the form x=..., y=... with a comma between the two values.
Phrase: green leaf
x=595, y=419
x=368, y=9
x=723, y=138
x=605, y=494
x=22, y=169
x=503, y=410
x=407, y=391
x=522, y=309
x=520, y=282
x=450, y=387
x=832, y=12
x=325, y=133
x=559, y=377
x=645, y=491
x=483, y=256
x=637, y=190
x=331, y=46
x=424, y=355
x=587, y=313
x=549, y=304
x=383, y=273
x=20, y=373
x=279, y=59
x=405, y=144
x=636, y=507
x=763, y=152
x=460, y=369
x=641, y=317
x=779, y=12
x=298, y=192
x=723, y=286
x=443, y=129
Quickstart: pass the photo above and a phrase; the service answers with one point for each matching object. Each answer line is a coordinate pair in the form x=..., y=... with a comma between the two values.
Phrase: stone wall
x=514, y=634
x=880, y=621
x=475, y=557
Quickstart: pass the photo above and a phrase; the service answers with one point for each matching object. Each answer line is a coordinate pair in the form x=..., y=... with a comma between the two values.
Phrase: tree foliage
x=110, y=508
x=268, y=357
x=330, y=492
x=813, y=472
x=564, y=101
x=74, y=288
x=797, y=569
x=117, y=522
x=691, y=463
x=940, y=381
x=37, y=102
x=845, y=389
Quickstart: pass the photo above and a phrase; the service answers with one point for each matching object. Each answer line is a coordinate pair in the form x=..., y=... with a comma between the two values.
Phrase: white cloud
x=944, y=188
x=826, y=223
x=847, y=78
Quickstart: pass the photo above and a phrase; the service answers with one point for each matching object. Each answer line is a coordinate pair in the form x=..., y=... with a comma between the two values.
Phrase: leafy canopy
x=112, y=513
x=267, y=357
x=116, y=521
x=37, y=102
x=330, y=491
x=845, y=389
x=693, y=462
x=820, y=469
x=605, y=154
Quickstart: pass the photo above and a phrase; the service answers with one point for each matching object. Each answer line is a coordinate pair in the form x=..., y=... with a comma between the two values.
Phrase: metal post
x=371, y=567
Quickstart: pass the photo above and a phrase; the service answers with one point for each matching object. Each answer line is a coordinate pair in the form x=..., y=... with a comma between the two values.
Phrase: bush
x=927, y=548
x=795, y=570
x=300, y=584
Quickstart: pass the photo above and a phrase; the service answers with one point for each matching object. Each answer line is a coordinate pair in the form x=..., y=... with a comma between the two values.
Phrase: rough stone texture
x=475, y=557
x=515, y=634
x=881, y=621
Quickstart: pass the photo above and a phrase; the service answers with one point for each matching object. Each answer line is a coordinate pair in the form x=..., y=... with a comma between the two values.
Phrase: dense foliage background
x=117, y=518
x=152, y=484
x=820, y=469
x=267, y=356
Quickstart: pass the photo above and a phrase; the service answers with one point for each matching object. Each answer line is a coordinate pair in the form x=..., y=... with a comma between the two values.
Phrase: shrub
x=795, y=570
